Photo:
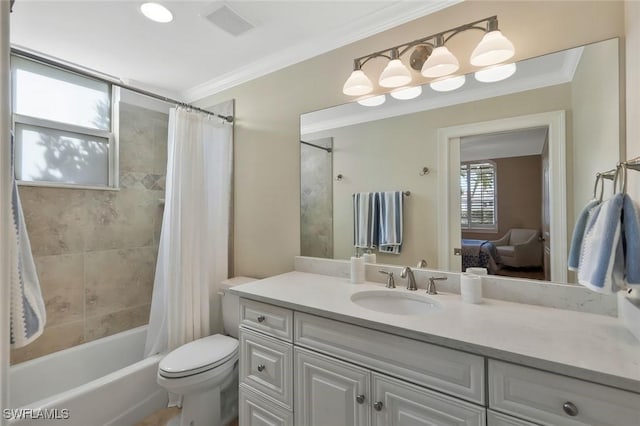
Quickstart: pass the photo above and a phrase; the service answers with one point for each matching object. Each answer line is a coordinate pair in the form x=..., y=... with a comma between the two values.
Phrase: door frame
x=448, y=140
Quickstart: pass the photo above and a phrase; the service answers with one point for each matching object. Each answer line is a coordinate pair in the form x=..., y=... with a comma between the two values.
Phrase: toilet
x=205, y=372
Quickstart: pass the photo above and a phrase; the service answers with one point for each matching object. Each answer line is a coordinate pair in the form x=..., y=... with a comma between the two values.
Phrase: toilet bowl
x=205, y=372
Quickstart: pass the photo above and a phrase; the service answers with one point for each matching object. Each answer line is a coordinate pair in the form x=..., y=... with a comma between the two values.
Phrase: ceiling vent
x=228, y=20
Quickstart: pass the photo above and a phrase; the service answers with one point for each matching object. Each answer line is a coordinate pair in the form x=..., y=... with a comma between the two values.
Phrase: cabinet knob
x=378, y=406
x=261, y=367
x=360, y=399
x=261, y=318
x=570, y=408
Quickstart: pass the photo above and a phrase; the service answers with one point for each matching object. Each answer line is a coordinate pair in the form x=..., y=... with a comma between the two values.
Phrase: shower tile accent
x=95, y=250
x=115, y=322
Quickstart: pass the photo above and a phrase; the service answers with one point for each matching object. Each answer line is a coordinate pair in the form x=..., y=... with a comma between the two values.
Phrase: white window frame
x=482, y=228
x=112, y=136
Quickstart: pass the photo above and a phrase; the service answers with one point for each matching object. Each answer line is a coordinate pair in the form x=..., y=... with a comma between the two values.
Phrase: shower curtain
x=194, y=242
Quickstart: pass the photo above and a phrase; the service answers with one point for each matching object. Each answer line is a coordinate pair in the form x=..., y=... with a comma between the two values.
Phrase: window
x=478, y=196
x=63, y=125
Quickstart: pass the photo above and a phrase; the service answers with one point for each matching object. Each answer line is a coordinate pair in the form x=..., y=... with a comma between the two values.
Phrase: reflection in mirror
x=386, y=148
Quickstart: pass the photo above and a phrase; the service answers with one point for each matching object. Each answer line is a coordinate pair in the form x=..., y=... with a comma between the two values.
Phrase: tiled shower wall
x=95, y=250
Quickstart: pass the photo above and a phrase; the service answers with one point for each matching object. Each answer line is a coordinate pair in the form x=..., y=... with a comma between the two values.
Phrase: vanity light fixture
x=430, y=57
x=156, y=12
x=372, y=101
x=448, y=84
x=496, y=73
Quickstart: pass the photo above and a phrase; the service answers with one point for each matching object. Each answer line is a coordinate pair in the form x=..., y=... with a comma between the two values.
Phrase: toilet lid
x=198, y=356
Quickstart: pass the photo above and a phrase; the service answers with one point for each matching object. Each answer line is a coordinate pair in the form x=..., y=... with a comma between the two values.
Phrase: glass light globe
x=405, y=93
x=395, y=74
x=156, y=12
x=492, y=49
x=357, y=84
x=441, y=62
x=496, y=73
x=372, y=101
x=448, y=84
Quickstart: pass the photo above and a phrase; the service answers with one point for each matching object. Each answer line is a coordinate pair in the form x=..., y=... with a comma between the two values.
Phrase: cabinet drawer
x=540, y=397
x=266, y=318
x=398, y=403
x=266, y=365
x=497, y=419
x=447, y=370
x=258, y=411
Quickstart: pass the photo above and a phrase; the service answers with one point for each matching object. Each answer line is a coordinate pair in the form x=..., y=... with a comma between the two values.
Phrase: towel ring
x=595, y=187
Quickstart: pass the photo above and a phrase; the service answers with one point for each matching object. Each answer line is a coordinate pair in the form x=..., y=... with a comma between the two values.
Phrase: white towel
x=631, y=242
x=389, y=206
x=364, y=220
x=578, y=235
x=28, y=314
x=601, y=266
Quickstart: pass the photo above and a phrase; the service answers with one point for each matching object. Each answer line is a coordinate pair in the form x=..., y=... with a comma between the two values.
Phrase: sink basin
x=395, y=302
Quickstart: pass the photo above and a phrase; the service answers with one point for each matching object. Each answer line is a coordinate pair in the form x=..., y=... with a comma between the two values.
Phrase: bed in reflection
x=481, y=254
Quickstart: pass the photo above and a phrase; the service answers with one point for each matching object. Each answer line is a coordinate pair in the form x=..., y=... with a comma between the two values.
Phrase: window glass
x=48, y=93
x=51, y=155
x=478, y=196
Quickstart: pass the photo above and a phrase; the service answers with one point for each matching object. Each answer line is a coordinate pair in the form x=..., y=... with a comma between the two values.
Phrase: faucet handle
x=431, y=288
x=390, y=282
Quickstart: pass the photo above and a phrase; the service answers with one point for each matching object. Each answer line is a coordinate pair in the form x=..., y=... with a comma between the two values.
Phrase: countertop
x=591, y=347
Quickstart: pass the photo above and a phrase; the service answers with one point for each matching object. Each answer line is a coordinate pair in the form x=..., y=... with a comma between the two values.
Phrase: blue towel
x=389, y=221
x=601, y=265
x=578, y=235
x=365, y=227
x=631, y=241
x=27, y=308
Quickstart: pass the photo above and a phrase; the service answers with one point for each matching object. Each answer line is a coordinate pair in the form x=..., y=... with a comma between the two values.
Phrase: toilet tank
x=231, y=305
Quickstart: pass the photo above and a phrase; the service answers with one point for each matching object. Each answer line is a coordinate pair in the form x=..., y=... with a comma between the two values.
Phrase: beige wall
x=95, y=251
x=595, y=111
x=387, y=155
x=267, y=171
x=519, y=187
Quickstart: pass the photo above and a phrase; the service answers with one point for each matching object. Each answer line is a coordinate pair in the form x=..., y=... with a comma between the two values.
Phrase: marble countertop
x=586, y=346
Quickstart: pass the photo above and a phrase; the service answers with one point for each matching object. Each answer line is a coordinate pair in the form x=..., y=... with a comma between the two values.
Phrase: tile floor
x=162, y=417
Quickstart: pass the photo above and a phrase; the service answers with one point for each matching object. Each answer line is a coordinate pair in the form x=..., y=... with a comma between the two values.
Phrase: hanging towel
x=578, y=234
x=601, y=266
x=364, y=220
x=27, y=309
x=389, y=221
x=631, y=241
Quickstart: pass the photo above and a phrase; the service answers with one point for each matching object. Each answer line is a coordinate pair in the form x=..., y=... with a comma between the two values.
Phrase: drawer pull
x=261, y=318
x=570, y=408
x=261, y=367
x=378, y=406
x=360, y=399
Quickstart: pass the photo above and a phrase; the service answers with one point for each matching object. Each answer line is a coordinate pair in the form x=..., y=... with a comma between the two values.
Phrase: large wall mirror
x=486, y=166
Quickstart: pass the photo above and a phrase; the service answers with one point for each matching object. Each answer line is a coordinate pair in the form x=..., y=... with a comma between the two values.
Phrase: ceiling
x=517, y=143
x=191, y=58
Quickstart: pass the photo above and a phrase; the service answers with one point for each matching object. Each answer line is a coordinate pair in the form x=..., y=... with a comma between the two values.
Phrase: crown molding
x=374, y=23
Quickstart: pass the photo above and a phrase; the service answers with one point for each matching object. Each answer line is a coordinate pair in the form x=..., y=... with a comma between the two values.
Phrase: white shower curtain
x=194, y=242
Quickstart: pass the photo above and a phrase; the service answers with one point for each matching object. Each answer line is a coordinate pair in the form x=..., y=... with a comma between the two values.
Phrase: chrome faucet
x=421, y=264
x=431, y=288
x=390, y=282
x=411, y=282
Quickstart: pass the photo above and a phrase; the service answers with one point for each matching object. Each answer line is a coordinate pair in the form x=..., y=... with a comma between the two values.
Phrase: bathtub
x=104, y=382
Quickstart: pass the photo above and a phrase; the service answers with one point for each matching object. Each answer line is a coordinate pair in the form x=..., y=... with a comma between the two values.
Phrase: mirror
x=399, y=146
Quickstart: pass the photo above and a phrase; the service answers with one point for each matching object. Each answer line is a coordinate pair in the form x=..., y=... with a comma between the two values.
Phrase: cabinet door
x=257, y=411
x=397, y=403
x=330, y=392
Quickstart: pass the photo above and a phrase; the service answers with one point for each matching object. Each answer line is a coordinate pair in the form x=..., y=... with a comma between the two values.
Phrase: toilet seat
x=198, y=356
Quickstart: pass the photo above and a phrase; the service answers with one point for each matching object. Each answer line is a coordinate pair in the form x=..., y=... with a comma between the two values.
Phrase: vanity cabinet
x=337, y=393
x=346, y=374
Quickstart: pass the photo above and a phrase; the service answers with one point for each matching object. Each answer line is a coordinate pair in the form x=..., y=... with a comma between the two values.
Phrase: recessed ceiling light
x=156, y=12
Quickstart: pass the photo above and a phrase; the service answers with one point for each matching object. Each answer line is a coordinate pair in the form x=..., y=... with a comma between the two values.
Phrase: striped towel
x=365, y=230
x=631, y=241
x=601, y=265
x=390, y=221
x=578, y=234
x=27, y=308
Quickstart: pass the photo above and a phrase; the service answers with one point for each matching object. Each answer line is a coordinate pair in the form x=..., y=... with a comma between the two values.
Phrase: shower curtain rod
x=76, y=70
x=317, y=146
